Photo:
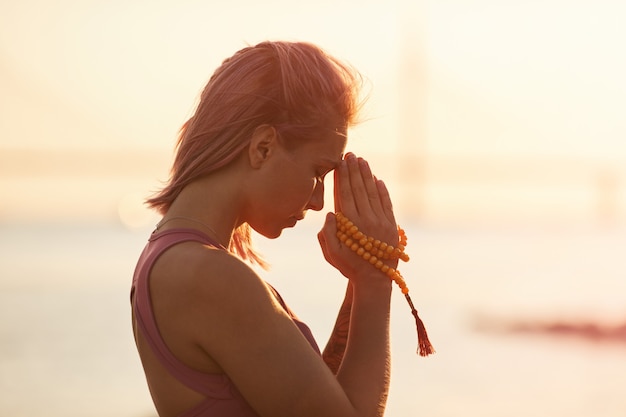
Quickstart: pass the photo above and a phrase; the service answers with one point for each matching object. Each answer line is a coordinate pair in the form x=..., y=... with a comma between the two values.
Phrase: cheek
x=293, y=188
x=300, y=190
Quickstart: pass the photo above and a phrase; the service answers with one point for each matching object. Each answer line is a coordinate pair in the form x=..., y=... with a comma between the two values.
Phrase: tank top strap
x=215, y=385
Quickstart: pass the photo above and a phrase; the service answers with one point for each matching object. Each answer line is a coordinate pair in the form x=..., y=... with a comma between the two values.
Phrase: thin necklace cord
x=209, y=228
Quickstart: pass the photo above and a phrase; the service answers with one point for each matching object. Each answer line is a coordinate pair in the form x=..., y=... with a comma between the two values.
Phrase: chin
x=274, y=230
x=269, y=233
x=273, y=235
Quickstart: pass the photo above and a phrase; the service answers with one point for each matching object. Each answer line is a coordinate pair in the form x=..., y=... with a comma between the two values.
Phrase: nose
x=316, y=202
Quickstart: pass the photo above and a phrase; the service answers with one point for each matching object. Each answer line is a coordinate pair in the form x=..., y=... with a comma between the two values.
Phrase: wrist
x=374, y=280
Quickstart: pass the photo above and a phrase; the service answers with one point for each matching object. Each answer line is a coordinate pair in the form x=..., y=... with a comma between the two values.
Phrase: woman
x=214, y=338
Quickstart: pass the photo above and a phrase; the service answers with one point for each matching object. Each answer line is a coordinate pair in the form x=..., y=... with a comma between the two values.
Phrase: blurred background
x=498, y=125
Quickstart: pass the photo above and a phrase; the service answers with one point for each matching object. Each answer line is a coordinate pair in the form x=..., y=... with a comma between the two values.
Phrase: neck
x=208, y=206
x=207, y=228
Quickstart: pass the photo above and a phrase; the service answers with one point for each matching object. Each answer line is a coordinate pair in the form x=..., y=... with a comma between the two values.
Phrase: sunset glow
x=466, y=80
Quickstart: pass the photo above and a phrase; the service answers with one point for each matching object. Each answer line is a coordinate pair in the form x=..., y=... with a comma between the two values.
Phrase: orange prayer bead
x=373, y=250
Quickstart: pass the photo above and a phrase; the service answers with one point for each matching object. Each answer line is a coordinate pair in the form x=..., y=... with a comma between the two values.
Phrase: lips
x=295, y=219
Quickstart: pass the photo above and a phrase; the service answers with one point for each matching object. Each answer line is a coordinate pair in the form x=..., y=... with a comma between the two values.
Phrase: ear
x=262, y=145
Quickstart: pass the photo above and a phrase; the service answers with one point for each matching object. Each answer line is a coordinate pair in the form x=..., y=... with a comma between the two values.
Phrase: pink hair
x=295, y=87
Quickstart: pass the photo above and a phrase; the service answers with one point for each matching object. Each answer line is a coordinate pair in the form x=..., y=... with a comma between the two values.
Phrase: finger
x=344, y=198
x=336, y=185
x=323, y=245
x=385, y=201
x=328, y=229
x=371, y=188
x=357, y=185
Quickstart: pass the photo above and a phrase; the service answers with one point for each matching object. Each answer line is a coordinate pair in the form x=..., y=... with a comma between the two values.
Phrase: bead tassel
x=375, y=252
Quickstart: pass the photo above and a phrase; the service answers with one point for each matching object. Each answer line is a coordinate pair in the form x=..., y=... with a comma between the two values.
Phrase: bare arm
x=365, y=200
x=336, y=346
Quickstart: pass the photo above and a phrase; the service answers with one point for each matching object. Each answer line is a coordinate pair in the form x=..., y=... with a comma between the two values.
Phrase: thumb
x=326, y=236
x=330, y=226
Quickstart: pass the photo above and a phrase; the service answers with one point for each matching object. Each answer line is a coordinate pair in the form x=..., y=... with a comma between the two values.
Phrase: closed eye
x=320, y=177
x=324, y=169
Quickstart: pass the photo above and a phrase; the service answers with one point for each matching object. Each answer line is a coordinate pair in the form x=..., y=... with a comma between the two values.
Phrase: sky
x=93, y=92
x=131, y=70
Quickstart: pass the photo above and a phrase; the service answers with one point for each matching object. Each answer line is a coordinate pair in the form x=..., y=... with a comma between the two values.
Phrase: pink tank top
x=222, y=397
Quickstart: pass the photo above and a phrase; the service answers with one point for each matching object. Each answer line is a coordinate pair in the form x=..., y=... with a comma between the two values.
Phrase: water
x=66, y=347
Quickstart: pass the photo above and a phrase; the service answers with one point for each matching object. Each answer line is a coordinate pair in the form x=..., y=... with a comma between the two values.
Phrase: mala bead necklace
x=376, y=252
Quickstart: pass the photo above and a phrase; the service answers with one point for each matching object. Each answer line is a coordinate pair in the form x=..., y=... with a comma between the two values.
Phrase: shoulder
x=196, y=283
x=200, y=294
x=196, y=270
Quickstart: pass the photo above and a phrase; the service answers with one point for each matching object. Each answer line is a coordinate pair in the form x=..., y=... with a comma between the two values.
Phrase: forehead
x=328, y=148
